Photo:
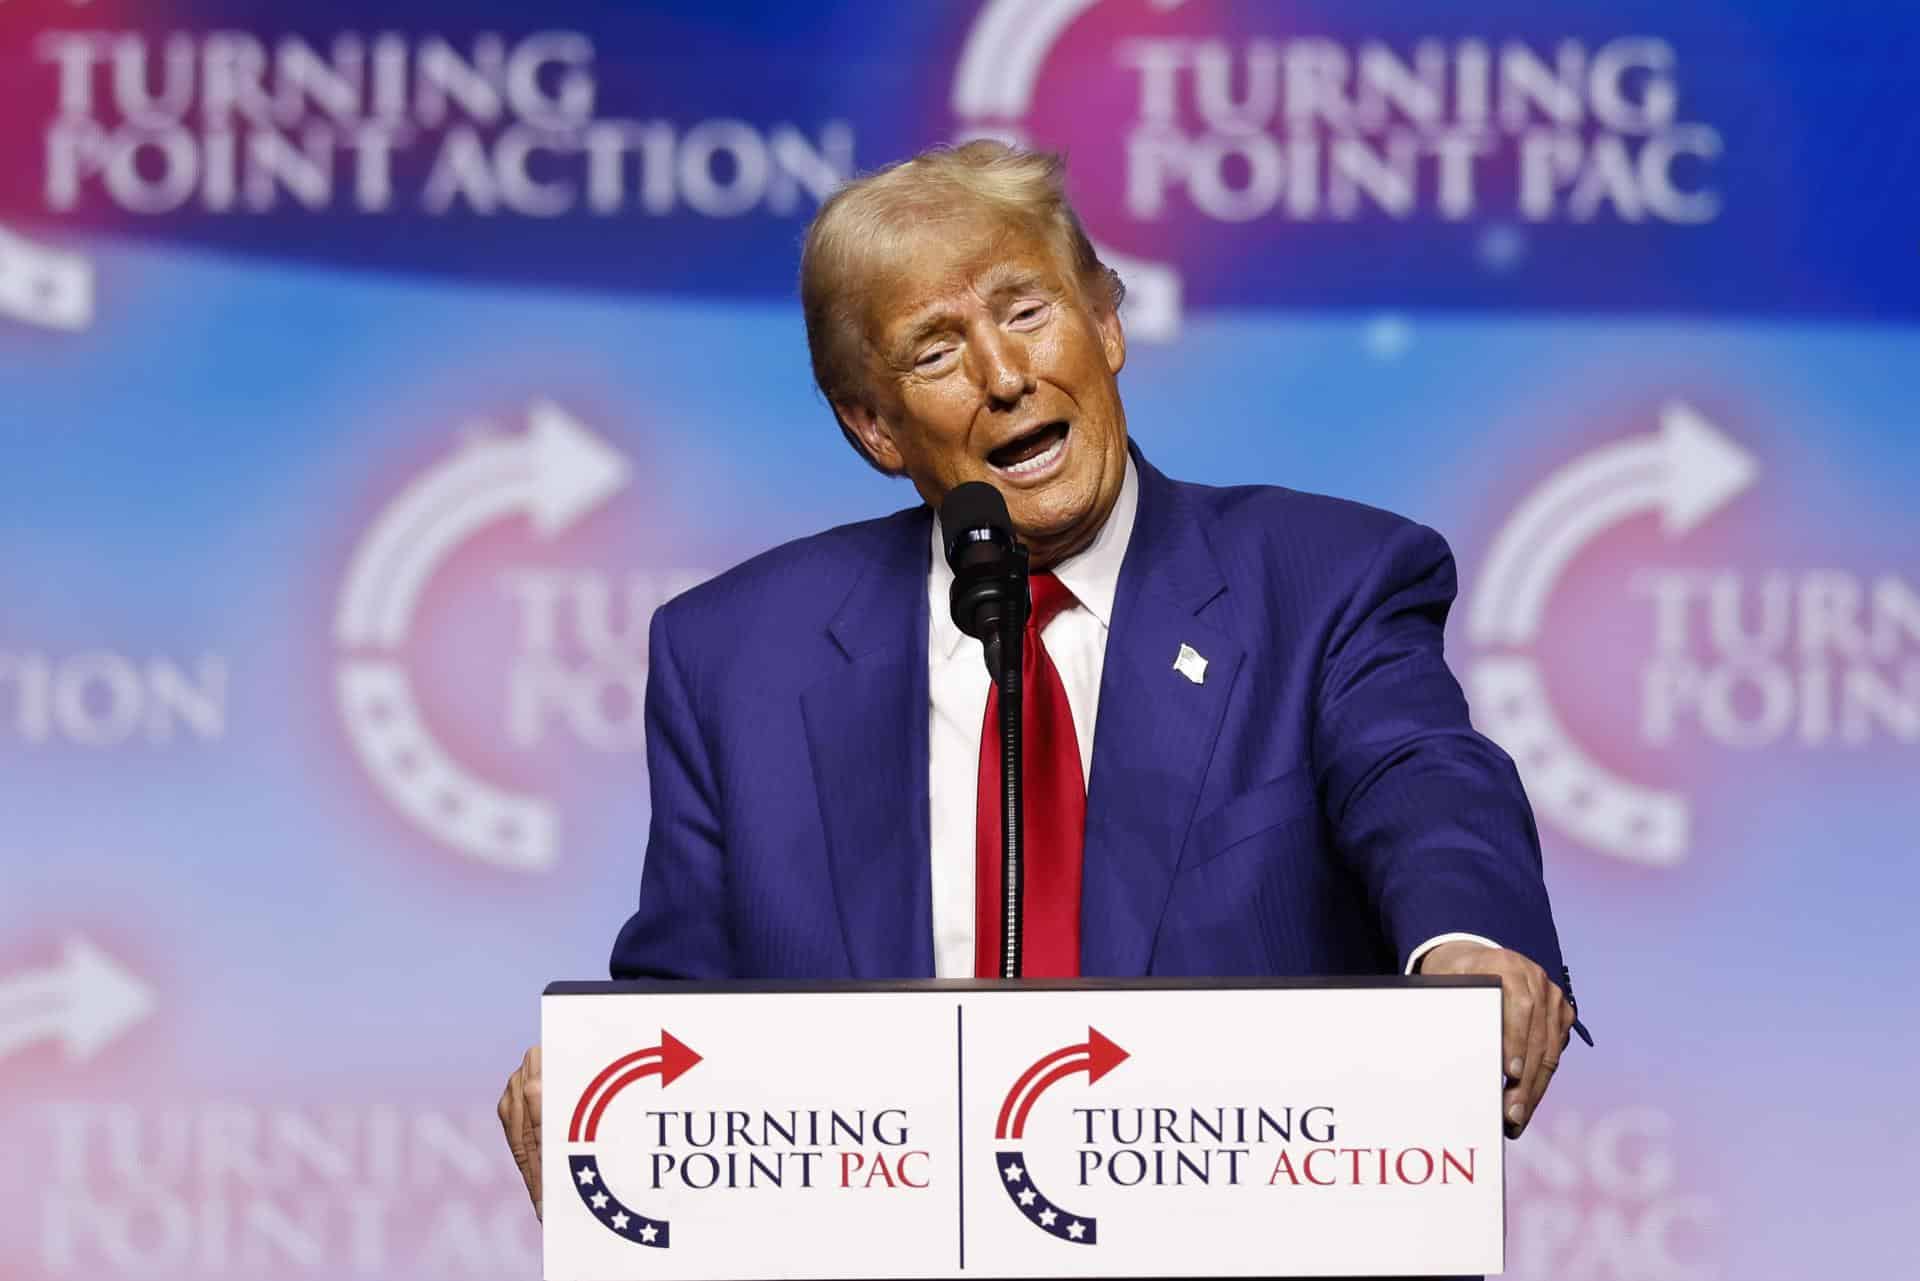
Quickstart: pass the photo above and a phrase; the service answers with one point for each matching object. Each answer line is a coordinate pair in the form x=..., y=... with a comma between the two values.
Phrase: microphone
x=989, y=594
x=989, y=603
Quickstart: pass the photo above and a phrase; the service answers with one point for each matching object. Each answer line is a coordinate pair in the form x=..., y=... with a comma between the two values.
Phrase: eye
x=931, y=357
x=1028, y=314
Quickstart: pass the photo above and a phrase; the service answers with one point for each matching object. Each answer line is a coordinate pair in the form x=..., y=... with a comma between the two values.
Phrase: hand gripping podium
x=1091, y=1128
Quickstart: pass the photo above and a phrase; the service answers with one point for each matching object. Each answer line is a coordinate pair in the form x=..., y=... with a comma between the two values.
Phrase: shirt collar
x=1091, y=574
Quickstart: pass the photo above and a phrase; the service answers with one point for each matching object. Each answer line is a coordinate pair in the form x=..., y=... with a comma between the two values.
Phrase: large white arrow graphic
x=993, y=85
x=1685, y=472
x=554, y=474
x=84, y=1002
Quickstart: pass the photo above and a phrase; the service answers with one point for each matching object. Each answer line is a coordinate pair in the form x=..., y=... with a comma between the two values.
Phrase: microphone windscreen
x=970, y=506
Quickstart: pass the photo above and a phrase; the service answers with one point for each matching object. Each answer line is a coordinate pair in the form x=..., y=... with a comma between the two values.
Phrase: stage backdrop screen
x=369, y=372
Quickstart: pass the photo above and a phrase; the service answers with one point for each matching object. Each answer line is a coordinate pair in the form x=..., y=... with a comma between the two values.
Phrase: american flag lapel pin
x=1190, y=665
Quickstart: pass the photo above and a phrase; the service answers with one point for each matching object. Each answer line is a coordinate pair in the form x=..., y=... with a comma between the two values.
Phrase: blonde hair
x=865, y=223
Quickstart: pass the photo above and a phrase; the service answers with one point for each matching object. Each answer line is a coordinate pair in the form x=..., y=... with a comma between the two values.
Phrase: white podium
x=952, y=1129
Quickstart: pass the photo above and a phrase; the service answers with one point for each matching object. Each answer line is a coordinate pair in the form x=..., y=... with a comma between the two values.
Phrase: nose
x=1002, y=366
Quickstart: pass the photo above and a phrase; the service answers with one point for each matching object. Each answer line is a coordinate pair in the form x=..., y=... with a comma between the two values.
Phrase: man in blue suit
x=1265, y=766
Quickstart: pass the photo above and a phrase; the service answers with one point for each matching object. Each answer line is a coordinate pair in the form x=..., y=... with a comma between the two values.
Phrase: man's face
x=990, y=363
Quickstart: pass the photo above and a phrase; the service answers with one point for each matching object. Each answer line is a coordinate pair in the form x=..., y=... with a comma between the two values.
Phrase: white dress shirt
x=958, y=685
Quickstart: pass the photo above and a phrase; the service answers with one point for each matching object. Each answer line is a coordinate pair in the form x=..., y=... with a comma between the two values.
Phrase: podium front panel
x=1311, y=1128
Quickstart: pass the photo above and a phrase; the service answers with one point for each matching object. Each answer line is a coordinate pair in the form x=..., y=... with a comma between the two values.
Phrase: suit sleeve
x=1428, y=813
x=680, y=929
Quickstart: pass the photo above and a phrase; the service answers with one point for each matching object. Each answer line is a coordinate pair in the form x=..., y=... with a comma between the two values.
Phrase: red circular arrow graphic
x=668, y=1060
x=1096, y=1056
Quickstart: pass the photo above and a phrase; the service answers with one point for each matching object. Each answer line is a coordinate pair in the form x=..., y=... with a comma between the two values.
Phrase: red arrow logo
x=669, y=1060
x=1096, y=1056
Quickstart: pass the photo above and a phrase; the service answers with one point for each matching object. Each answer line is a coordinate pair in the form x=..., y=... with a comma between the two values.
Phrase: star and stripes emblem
x=668, y=1060
x=620, y=1219
x=1096, y=1056
x=1039, y=1211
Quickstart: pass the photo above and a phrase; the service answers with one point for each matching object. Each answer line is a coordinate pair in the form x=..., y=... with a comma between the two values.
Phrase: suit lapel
x=867, y=731
x=1156, y=729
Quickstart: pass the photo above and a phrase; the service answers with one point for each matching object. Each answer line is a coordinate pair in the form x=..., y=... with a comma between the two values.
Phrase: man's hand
x=1536, y=1016
x=520, y=1118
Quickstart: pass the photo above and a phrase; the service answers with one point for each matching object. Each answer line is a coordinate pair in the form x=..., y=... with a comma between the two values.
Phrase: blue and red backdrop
x=368, y=373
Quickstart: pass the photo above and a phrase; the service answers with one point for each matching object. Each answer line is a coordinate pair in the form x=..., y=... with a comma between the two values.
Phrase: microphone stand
x=989, y=600
x=1013, y=631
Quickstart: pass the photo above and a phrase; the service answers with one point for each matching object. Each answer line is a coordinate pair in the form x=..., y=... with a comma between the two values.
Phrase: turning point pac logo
x=669, y=1060
x=1684, y=472
x=1200, y=132
x=1742, y=658
x=688, y=1151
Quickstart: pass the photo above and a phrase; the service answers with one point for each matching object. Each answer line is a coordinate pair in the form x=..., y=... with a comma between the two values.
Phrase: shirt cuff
x=1419, y=953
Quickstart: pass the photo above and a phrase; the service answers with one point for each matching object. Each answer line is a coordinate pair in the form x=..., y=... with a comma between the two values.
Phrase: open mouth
x=1033, y=452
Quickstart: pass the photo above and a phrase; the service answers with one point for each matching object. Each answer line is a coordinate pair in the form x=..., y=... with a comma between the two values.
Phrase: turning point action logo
x=554, y=474
x=1096, y=1056
x=1218, y=1149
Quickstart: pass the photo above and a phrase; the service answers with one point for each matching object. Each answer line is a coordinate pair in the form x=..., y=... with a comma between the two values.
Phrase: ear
x=872, y=433
x=1113, y=338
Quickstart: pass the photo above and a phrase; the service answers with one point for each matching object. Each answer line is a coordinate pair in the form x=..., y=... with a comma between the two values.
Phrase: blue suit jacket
x=1318, y=805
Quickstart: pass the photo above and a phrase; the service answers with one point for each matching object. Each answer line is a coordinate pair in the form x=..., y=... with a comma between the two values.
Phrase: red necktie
x=1055, y=804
